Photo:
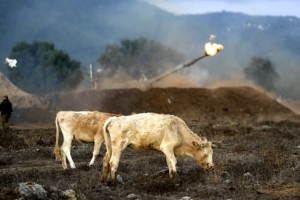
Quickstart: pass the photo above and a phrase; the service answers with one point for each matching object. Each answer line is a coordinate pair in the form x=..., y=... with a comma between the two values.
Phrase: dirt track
x=257, y=159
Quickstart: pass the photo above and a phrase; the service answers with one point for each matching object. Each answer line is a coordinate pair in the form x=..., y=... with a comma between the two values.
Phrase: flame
x=212, y=48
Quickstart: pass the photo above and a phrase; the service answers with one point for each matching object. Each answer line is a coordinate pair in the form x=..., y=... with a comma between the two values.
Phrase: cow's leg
x=115, y=157
x=66, y=151
x=171, y=160
x=97, y=145
x=114, y=163
x=63, y=159
x=106, y=167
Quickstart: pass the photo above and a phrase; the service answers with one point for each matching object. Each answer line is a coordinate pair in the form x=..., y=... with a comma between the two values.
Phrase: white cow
x=166, y=133
x=84, y=126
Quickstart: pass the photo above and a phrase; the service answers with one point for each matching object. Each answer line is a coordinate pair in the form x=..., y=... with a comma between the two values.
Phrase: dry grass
x=250, y=163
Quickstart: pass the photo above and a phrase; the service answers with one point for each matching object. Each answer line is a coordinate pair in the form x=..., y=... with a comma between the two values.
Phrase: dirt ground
x=258, y=156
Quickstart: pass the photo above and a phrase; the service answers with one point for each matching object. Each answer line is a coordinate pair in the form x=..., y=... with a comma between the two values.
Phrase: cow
x=84, y=126
x=166, y=133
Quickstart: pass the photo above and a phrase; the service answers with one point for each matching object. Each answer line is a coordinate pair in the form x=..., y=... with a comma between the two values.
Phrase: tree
x=138, y=57
x=42, y=69
x=262, y=72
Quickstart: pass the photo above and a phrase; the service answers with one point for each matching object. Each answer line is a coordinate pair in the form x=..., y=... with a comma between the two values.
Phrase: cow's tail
x=56, y=150
x=107, y=157
x=107, y=137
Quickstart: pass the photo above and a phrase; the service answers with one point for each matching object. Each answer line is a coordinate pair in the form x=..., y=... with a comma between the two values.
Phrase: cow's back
x=146, y=130
x=82, y=124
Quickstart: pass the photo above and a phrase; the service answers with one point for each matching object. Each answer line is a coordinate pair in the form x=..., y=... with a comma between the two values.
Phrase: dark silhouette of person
x=6, y=111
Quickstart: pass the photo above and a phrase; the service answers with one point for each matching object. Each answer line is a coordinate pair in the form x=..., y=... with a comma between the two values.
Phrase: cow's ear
x=195, y=144
x=204, y=139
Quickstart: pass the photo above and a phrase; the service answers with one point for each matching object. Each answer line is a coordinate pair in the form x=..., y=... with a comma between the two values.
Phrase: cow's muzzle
x=208, y=166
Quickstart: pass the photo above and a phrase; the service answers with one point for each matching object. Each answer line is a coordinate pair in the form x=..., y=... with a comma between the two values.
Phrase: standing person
x=6, y=110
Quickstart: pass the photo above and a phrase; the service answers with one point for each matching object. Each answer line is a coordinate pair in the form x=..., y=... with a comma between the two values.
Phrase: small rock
x=30, y=189
x=247, y=174
x=266, y=127
x=262, y=128
x=186, y=198
x=131, y=196
x=70, y=194
x=227, y=181
x=120, y=179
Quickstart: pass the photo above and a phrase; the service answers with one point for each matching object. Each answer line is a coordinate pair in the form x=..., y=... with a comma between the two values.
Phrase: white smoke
x=11, y=62
x=199, y=75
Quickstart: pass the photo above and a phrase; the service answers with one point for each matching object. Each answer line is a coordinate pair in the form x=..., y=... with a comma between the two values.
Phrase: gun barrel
x=191, y=62
x=186, y=64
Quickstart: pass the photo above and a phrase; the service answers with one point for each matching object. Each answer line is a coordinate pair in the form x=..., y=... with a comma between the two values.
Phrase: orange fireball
x=212, y=48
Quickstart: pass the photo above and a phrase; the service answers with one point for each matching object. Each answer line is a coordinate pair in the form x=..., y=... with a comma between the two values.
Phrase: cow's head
x=203, y=154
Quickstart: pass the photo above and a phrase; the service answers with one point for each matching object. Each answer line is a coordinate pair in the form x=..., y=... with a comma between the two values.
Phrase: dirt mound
x=188, y=103
x=185, y=102
x=19, y=98
x=9, y=88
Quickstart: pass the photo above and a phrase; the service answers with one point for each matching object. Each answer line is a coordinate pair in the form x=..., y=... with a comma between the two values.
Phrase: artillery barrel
x=186, y=64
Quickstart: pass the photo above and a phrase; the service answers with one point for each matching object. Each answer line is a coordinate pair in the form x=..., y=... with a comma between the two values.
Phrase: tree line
x=42, y=69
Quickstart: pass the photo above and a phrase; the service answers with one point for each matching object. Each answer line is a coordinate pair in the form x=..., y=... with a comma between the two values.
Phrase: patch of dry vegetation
x=258, y=160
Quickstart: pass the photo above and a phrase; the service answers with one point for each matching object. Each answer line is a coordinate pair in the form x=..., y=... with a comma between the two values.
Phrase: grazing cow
x=166, y=133
x=84, y=126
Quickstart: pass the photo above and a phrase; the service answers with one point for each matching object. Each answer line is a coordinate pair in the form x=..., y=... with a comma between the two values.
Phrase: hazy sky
x=251, y=7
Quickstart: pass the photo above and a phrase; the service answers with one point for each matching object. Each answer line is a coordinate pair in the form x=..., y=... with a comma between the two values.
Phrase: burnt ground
x=258, y=156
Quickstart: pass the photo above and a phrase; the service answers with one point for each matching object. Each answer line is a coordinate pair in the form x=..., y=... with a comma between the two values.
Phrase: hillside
x=84, y=29
x=20, y=98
